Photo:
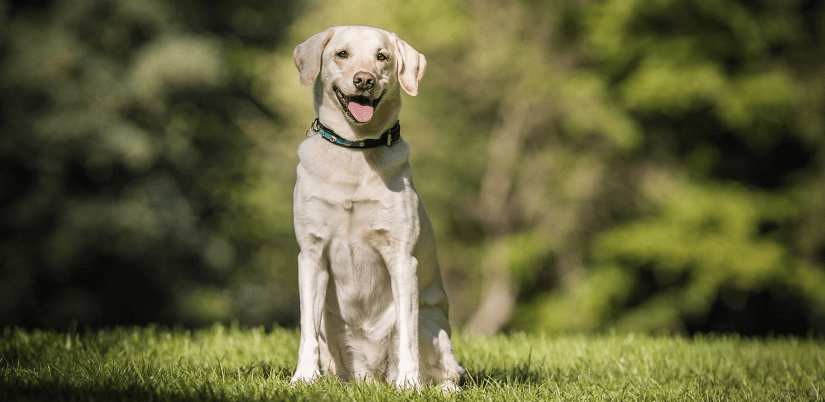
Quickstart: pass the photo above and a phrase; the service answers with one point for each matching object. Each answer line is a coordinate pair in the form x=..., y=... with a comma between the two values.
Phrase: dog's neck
x=387, y=138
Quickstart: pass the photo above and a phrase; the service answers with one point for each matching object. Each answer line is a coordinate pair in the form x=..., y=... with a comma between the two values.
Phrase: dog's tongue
x=362, y=113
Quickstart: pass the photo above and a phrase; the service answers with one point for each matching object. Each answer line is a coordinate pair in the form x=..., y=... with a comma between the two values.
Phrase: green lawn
x=230, y=364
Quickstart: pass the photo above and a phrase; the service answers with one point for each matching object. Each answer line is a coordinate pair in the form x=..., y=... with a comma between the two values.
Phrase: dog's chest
x=357, y=209
x=355, y=197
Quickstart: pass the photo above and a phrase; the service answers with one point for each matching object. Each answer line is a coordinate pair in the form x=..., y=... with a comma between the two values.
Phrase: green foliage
x=724, y=179
x=706, y=242
x=644, y=165
x=124, y=157
x=586, y=307
x=239, y=364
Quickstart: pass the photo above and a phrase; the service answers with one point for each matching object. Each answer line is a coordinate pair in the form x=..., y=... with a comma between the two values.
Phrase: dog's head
x=357, y=73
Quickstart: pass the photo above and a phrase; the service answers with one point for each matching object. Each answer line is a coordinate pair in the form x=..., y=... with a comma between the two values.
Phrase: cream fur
x=372, y=302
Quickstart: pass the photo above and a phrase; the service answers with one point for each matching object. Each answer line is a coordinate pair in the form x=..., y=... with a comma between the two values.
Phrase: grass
x=233, y=364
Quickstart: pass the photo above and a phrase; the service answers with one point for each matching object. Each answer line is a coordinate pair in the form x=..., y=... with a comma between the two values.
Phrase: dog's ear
x=410, y=64
x=307, y=55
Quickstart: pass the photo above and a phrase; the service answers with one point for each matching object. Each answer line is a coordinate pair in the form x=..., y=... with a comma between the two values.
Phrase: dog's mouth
x=360, y=107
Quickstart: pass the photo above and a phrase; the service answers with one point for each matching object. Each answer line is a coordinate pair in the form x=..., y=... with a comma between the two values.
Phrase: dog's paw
x=449, y=387
x=305, y=376
x=408, y=382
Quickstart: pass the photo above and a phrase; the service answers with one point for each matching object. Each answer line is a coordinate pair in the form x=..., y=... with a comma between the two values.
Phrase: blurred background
x=632, y=165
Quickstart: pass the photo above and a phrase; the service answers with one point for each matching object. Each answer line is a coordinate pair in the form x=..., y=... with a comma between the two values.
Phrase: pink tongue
x=361, y=113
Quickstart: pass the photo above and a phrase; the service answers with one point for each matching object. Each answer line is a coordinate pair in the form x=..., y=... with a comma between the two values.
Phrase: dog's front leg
x=312, y=289
x=403, y=275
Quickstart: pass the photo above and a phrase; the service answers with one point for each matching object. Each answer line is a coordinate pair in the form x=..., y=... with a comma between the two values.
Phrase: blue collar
x=389, y=136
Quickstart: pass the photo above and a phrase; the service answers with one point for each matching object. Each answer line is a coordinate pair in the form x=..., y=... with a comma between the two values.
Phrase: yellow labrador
x=372, y=302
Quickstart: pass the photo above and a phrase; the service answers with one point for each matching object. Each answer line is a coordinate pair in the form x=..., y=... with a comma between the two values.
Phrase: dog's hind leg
x=438, y=363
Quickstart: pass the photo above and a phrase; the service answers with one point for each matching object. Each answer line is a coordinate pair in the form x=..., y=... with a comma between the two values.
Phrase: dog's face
x=357, y=72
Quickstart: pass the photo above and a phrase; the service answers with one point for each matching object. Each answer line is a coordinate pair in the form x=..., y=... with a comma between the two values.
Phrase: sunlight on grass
x=233, y=364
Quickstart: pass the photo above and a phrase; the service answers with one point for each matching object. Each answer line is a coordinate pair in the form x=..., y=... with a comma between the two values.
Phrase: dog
x=372, y=302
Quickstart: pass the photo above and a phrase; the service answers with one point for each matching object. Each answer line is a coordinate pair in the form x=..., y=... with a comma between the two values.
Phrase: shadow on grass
x=502, y=377
x=269, y=371
x=527, y=372
x=256, y=382
x=57, y=391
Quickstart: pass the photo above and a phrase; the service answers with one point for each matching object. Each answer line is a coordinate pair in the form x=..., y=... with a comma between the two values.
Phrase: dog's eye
x=342, y=54
x=382, y=57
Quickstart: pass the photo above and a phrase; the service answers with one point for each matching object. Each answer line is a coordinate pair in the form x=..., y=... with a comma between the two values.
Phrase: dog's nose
x=363, y=80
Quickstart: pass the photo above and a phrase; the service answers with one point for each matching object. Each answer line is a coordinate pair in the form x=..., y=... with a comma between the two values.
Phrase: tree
x=640, y=165
x=726, y=175
x=122, y=151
